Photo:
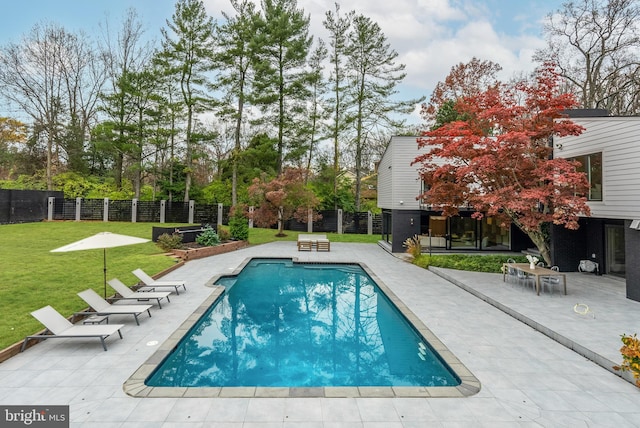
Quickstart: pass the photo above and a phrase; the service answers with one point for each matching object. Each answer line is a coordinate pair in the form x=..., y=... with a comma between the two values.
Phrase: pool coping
x=135, y=386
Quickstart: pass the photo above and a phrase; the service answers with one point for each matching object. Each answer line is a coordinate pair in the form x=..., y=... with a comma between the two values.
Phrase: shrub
x=474, y=263
x=630, y=357
x=413, y=246
x=169, y=242
x=239, y=226
x=223, y=234
x=208, y=237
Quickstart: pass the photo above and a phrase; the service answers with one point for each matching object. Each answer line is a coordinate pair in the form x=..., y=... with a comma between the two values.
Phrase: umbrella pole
x=104, y=258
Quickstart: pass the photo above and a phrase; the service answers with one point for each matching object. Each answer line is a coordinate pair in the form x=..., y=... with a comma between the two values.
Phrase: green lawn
x=31, y=276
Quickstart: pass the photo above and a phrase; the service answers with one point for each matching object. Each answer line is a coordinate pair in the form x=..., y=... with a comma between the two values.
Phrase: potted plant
x=630, y=357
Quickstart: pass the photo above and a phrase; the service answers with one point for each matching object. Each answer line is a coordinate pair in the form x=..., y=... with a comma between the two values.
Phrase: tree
x=283, y=198
x=317, y=112
x=281, y=81
x=234, y=58
x=187, y=51
x=13, y=134
x=464, y=80
x=123, y=54
x=498, y=160
x=595, y=45
x=374, y=76
x=338, y=27
x=53, y=77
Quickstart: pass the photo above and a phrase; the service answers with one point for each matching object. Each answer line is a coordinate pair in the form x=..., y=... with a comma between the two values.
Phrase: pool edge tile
x=469, y=385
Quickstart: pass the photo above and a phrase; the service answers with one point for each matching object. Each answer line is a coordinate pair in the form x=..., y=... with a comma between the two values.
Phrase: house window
x=592, y=166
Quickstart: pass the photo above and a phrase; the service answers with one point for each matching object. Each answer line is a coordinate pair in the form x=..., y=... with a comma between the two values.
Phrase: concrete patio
x=516, y=343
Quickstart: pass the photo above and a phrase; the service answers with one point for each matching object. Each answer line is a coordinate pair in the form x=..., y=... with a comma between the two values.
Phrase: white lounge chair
x=155, y=283
x=102, y=307
x=129, y=294
x=61, y=328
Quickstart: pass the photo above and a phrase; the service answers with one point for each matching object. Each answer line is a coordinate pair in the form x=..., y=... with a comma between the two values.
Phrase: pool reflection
x=288, y=324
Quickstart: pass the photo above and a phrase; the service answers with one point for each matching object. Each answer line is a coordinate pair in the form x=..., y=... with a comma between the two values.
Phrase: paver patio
x=527, y=378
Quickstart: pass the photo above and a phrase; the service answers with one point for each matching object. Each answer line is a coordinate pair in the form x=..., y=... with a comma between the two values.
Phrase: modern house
x=609, y=151
x=404, y=215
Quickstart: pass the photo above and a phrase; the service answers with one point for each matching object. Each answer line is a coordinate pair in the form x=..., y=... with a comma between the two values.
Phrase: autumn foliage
x=498, y=160
x=282, y=198
x=631, y=357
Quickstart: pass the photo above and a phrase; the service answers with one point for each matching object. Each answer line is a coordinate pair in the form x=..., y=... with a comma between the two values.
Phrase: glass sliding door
x=464, y=233
x=494, y=236
x=614, y=236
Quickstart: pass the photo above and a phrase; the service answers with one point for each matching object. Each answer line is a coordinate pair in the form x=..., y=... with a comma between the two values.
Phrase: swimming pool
x=306, y=327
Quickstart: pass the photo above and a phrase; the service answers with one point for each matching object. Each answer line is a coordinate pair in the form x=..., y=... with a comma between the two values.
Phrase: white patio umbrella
x=102, y=240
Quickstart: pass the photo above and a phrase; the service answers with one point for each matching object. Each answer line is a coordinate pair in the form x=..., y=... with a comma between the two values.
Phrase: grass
x=32, y=277
x=262, y=236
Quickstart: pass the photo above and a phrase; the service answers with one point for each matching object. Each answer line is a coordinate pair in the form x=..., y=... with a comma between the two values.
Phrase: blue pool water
x=282, y=323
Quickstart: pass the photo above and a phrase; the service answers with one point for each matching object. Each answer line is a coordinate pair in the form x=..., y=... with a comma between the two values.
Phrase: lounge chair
x=129, y=294
x=154, y=283
x=304, y=243
x=61, y=328
x=102, y=307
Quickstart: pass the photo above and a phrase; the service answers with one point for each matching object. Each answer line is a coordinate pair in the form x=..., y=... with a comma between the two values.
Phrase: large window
x=592, y=166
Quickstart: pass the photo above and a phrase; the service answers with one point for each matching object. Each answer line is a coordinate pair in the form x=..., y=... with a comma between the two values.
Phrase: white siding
x=398, y=180
x=385, y=178
x=618, y=138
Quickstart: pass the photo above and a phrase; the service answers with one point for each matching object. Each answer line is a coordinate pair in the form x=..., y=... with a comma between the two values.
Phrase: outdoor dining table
x=536, y=272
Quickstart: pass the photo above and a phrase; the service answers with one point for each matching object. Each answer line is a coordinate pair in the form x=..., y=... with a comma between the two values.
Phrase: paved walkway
x=527, y=378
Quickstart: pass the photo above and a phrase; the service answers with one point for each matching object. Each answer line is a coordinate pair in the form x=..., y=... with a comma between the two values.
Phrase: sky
x=430, y=36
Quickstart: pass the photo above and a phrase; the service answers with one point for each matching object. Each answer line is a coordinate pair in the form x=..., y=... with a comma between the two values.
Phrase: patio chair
x=100, y=306
x=304, y=242
x=129, y=294
x=154, y=283
x=61, y=328
x=551, y=281
x=512, y=273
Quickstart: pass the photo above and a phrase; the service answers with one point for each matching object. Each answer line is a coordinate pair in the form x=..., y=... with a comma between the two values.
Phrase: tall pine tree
x=187, y=50
x=280, y=83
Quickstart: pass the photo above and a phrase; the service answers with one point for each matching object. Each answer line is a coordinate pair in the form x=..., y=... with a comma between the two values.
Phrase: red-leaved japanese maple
x=498, y=159
x=282, y=198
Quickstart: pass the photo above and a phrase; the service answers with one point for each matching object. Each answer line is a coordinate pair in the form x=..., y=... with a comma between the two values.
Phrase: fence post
x=105, y=211
x=340, y=220
x=369, y=223
x=220, y=211
x=50, y=202
x=134, y=210
x=251, y=209
x=310, y=221
x=78, y=208
x=163, y=209
x=192, y=207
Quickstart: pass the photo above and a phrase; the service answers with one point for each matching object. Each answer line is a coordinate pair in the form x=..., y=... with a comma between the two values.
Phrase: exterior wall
x=385, y=178
x=632, y=261
x=406, y=223
x=618, y=138
x=398, y=181
x=568, y=247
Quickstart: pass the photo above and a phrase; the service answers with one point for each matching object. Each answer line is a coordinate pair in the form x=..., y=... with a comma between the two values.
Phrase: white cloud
x=431, y=36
